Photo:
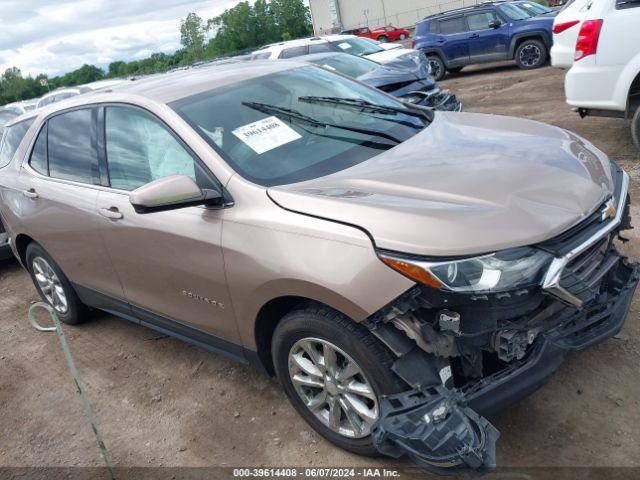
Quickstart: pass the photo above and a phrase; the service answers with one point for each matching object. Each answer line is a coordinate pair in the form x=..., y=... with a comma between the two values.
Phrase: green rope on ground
x=82, y=391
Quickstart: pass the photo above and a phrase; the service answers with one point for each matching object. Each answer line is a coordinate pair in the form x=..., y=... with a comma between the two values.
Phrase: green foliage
x=239, y=29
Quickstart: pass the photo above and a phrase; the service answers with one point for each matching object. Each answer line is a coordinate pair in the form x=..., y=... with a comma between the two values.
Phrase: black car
x=415, y=86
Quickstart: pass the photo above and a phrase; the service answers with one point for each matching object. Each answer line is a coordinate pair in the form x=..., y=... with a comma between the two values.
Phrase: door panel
x=169, y=263
x=60, y=212
x=454, y=40
x=485, y=43
x=63, y=219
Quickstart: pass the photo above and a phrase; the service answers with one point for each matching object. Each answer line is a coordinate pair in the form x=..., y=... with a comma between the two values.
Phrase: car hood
x=401, y=58
x=385, y=76
x=467, y=184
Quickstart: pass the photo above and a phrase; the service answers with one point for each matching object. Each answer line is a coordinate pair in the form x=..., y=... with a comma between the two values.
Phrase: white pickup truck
x=605, y=77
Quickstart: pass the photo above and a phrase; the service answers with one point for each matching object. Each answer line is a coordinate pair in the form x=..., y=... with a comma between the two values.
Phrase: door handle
x=31, y=193
x=111, y=213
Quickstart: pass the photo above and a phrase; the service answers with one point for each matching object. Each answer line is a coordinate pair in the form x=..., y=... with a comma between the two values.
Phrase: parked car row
x=599, y=42
x=400, y=71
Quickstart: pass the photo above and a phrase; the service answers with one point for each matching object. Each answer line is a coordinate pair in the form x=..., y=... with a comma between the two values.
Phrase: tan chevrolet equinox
x=405, y=273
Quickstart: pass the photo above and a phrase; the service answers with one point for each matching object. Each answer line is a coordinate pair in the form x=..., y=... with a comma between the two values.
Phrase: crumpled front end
x=465, y=355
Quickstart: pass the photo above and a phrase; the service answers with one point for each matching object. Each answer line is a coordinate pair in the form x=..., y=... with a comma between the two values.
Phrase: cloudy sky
x=55, y=36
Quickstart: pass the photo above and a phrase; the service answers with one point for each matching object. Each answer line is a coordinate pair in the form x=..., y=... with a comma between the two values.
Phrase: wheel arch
x=633, y=97
x=22, y=241
x=268, y=318
x=517, y=40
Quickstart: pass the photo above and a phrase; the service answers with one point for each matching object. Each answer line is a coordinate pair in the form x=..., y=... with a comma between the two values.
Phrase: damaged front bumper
x=466, y=357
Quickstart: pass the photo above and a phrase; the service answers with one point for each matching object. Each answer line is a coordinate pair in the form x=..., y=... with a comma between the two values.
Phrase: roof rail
x=464, y=9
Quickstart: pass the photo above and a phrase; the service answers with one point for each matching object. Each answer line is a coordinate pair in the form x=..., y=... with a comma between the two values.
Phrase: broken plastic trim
x=436, y=430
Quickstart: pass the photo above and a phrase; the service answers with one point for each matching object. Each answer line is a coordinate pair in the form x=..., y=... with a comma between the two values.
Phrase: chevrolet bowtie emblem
x=610, y=209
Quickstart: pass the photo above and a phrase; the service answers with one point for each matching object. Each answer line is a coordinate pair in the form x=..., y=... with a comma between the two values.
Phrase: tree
x=192, y=35
x=241, y=28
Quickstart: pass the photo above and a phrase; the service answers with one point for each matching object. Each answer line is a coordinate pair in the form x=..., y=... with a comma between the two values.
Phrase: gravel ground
x=162, y=402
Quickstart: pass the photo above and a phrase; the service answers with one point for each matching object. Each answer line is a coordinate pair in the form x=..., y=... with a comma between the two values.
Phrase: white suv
x=605, y=78
x=566, y=26
x=362, y=47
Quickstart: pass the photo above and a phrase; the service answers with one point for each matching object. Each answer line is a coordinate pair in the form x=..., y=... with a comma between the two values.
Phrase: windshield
x=263, y=129
x=347, y=64
x=535, y=8
x=513, y=12
x=357, y=46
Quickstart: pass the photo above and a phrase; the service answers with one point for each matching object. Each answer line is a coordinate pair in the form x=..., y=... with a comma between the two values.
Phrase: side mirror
x=172, y=193
x=495, y=24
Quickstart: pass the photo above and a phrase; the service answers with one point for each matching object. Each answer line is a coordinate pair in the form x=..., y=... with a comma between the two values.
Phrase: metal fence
x=406, y=19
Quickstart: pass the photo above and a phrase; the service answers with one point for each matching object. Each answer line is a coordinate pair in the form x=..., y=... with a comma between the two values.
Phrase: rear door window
x=451, y=26
x=72, y=146
x=624, y=4
x=321, y=48
x=294, y=52
x=11, y=140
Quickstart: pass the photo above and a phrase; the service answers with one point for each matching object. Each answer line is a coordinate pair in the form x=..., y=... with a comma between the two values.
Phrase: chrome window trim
x=551, y=281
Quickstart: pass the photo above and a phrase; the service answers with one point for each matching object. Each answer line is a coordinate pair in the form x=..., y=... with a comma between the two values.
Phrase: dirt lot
x=162, y=402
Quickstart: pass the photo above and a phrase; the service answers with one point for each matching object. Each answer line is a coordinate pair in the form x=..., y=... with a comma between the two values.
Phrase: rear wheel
x=438, y=68
x=531, y=54
x=333, y=371
x=403, y=36
x=635, y=129
x=383, y=39
x=53, y=286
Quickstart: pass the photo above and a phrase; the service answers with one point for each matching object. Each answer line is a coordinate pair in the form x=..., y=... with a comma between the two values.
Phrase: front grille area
x=583, y=276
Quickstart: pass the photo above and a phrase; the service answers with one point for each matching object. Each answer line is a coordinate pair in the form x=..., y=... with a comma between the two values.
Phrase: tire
x=403, y=36
x=319, y=327
x=455, y=70
x=635, y=128
x=531, y=54
x=42, y=269
x=383, y=39
x=438, y=68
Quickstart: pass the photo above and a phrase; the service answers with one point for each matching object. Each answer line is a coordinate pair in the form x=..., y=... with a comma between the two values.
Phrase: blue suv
x=484, y=33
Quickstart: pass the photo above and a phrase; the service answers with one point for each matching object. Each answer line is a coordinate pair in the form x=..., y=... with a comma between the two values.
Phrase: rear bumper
x=592, y=325
x=588, y=85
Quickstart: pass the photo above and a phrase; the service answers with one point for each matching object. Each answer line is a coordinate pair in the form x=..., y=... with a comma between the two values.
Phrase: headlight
x=412, y=98
x=505, y=270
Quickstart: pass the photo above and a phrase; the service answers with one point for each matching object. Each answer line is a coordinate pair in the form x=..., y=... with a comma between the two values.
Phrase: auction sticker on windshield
x=266, y=134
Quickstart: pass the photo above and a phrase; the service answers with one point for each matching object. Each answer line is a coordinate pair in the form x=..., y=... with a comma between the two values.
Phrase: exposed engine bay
x=467, y=355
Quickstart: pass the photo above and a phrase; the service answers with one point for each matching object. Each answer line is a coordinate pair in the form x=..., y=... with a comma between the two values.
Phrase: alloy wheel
x=333, y=387
x=435, y=68
x=50, y=285
x=530, y=55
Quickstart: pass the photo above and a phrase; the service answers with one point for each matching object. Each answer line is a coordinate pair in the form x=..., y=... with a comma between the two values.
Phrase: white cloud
x=55, y=36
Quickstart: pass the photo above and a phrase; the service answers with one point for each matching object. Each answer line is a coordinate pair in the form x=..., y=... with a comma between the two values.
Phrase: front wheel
x=635, y=129
x=438, y=68
x=403, y=36
x=333, y=370
x=531, y=54
x=383, y=39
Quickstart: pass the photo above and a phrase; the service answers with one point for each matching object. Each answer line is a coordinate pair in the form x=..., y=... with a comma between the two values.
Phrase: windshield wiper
x=366, y=106
x=294, y=115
